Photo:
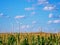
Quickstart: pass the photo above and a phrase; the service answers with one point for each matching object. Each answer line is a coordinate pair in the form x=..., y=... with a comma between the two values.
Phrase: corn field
x=29, y=39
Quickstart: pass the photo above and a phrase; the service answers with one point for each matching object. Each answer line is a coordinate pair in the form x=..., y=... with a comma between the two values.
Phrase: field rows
x=38, y=38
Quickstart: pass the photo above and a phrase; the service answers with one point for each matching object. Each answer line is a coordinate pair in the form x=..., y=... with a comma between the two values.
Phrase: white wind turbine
x=18, y=23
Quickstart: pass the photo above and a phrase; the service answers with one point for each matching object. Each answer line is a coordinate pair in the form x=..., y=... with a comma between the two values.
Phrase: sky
x=29, y=16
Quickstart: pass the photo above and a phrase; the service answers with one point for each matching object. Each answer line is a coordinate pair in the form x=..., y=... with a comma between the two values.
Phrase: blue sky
x=29, y=15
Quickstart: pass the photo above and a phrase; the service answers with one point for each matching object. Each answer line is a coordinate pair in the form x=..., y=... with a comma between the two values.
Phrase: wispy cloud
x=1, y=14
x=53, y=21
x=42, y=2
x=53, y=16
x=19, y=16
x=56, y=21
x=33, y=22
x=25, y=26
x=50, y=21
x=32, y=13
x=5, y=16
x=50, y=15
x=29, y=8
x=49, y=7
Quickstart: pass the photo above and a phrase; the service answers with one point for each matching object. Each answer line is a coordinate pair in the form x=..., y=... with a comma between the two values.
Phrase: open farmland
x=37, y=38
x=29, y=22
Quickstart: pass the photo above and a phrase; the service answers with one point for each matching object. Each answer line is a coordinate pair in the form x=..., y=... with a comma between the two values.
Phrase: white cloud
x=50, y=21
x=53, y=16
x=25, y=26
x=29, y=8
x=17, y=17
x=18, y=22
x=56, y=21
x=33, y=22
x=49, y=7
x=1, y=14
x=42, y=2
x=5, y=16
x=32, y=13
x=50, y=15
x=53, y=21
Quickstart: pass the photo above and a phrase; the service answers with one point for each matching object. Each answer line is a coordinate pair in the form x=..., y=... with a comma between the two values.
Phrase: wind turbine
x=12, y=27
x=40, y=29
x=18, y=23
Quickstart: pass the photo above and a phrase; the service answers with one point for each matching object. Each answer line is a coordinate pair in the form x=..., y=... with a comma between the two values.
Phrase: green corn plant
x=1, y=42
x=33, y=40
x=5, y=41
x=38, y=40
x=55, y=39
x=51, y=39
x=11, y=40
x=18, y=38
x=43, y=40
x=58, y=40
x=25, y=41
